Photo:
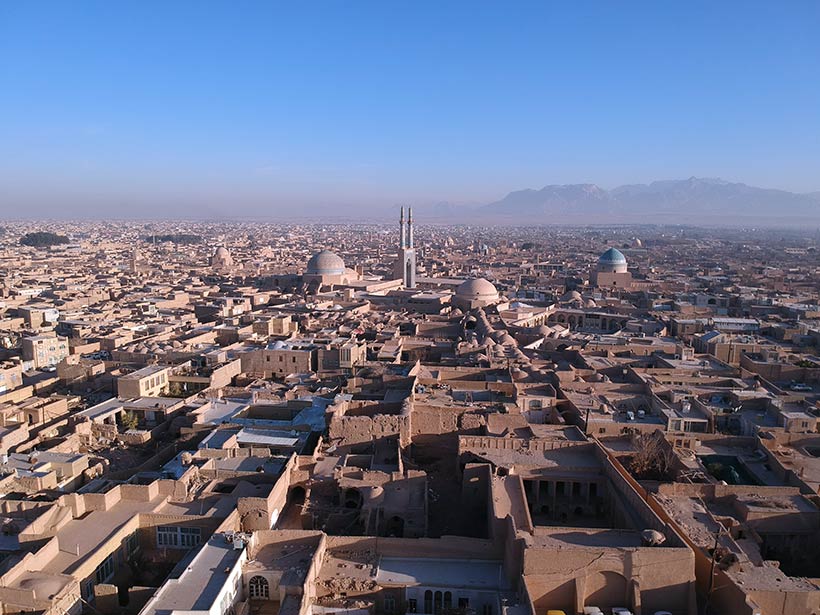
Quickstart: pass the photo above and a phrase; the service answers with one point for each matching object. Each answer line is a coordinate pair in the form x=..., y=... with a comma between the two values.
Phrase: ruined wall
x=353, y=430
x=786, y=603
x=649, y=578
x=711, y=491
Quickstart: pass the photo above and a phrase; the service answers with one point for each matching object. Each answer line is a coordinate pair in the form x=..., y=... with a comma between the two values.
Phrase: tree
x=653, y=458
x=43, y=239
x=129, y=420
x=177, y=238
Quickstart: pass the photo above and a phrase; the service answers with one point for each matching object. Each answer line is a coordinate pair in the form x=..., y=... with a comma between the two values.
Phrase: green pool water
x=728, y=468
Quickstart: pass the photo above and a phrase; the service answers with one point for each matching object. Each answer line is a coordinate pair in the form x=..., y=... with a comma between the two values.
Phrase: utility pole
x=711, y=574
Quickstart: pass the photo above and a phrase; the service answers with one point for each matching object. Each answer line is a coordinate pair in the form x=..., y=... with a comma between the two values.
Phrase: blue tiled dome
x=612, y=256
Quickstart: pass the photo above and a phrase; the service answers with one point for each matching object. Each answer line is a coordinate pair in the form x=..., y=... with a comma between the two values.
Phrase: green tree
x=129, y=420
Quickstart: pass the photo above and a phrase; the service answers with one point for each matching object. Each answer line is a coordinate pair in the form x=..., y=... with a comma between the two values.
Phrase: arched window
x=448, y=600
x=428, y=601
x=258, y=587
x=437, y=603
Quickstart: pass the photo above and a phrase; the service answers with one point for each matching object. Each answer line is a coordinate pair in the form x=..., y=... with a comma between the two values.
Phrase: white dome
x=477, y=289
x=325, y=263
x=222, y=258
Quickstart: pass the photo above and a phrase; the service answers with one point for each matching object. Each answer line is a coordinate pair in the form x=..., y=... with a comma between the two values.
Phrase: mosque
x=221, y=260
x=475, y=293
x=327, y=268
x=405, y=267
x=326, y=271
x=611, y=271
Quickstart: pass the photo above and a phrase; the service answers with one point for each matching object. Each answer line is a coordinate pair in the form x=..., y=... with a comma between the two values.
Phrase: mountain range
x=687, y=201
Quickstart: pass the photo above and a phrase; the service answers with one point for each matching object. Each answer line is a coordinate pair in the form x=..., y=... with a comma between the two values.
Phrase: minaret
x=410, y=227
x=405, y=267
x=401, y=226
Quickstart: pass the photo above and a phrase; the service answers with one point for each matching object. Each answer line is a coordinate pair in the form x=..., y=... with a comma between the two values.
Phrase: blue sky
x=257, y=107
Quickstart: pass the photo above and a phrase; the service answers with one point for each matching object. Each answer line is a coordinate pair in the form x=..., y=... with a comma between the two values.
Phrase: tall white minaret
x=409, y=227
x=405, y=267
x=401, y=226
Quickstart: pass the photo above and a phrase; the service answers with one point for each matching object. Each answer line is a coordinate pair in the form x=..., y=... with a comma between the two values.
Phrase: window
x=389, y=604
x=105, y=570
x=189, y=536
x=437, y=602
x=428, y=601
x=167, y=537
x=487, y=610
x=412, y=605
x=132, y=544
x=448, y=600
x=463, y=603
x=178, y=537
x=258, y=587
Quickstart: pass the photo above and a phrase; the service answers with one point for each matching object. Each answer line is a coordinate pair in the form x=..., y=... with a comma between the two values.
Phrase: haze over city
x=185, y=109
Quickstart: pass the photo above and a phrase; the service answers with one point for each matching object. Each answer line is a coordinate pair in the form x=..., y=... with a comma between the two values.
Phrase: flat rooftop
x=144, y=372
x=201, y=580
x=467, y=574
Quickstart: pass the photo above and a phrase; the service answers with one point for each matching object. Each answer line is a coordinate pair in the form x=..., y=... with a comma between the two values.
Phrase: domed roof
x=325, y=263
x=571, y=295
x=222, y=257
x=613, y=256
x=477, y=289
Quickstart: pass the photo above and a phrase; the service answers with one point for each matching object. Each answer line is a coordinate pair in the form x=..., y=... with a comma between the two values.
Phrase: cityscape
x=416, y=419
x=383, y=308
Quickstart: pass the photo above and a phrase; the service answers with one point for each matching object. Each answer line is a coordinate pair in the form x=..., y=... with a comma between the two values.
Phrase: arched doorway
x=258, y=587
x=395, y=527
x=606, y=589
x=297, y=495
x=353, y=499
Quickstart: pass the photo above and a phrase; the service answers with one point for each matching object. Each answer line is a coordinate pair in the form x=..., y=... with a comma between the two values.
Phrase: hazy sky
x=244, y=107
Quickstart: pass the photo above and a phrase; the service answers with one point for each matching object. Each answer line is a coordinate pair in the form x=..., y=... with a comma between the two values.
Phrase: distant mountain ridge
x=692, y=200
